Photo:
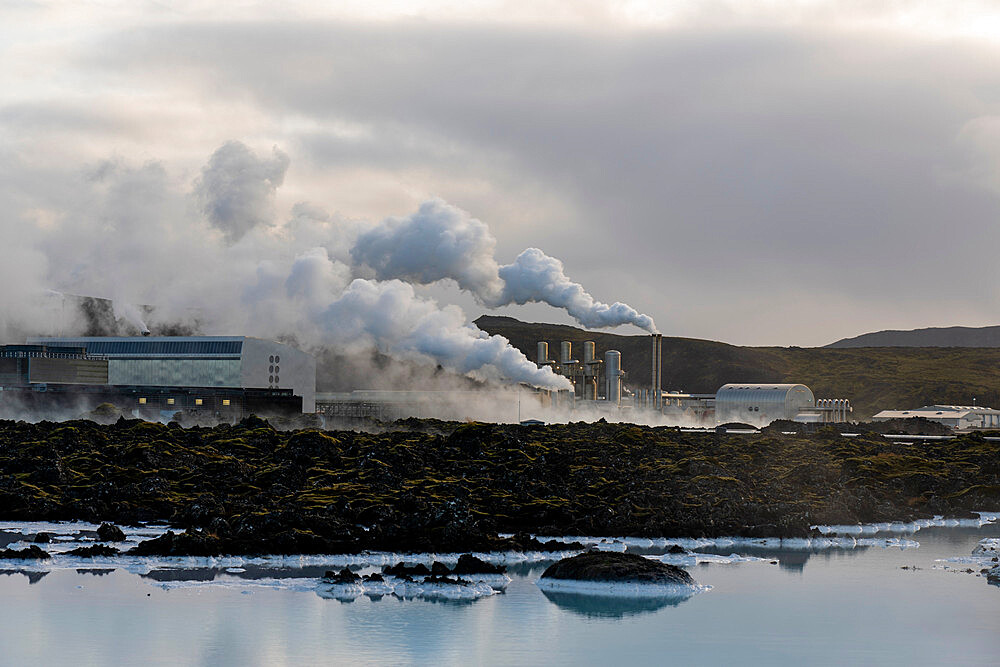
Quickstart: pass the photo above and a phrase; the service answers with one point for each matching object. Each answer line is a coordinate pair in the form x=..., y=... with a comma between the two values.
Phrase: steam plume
x=236, y=188
x=441, y=241
x=393, y=318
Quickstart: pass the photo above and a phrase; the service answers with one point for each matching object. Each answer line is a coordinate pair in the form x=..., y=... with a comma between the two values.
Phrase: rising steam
x=440, y=241
x=215, y=259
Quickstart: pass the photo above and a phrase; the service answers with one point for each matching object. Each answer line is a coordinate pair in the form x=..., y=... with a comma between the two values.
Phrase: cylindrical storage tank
x=566, y=348
x=543, y=353
x=589, y=352
x=613, y=376
x=760, y=404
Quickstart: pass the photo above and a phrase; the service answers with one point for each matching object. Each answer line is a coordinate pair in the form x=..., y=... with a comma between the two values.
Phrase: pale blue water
x=833, y=607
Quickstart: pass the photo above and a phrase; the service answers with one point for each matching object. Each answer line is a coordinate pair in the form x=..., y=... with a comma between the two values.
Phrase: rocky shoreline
x=438, y=486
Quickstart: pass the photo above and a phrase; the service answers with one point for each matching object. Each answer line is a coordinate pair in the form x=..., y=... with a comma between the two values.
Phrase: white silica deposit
x=622, y=589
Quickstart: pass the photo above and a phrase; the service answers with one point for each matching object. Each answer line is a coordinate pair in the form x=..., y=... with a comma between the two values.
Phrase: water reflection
x=33, y=575
x=606, y=606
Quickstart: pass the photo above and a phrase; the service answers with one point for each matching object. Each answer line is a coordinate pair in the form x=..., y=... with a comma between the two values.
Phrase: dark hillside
x=873, y=379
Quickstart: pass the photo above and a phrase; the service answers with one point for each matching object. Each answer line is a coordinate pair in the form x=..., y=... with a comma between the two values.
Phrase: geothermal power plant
x=230, y=377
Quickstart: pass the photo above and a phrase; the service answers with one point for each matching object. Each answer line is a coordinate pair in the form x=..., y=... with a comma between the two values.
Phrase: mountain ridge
x=925, y=337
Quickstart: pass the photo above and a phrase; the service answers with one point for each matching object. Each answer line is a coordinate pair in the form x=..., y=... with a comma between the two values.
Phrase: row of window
x=165, y=347
x=170, y=401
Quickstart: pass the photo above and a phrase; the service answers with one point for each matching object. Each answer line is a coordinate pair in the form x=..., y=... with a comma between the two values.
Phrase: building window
x=142, y=400
x=170, y=401
x=225, y=401
x=198, y=401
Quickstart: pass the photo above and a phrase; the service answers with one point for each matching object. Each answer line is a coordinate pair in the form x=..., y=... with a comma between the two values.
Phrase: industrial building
x=958, y=417
x=753, y=404
x=232, y=362
x=153, y=378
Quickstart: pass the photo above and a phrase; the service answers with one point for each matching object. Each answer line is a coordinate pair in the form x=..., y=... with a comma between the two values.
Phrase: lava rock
x=188, y=543
x=96, y=550
x=439, y=569
x=616, y=567
x=345, y=576
x=32, y=552
x=402, y=569
x=676, y=549
x=108, y=532
x=469, y=564
x=42, y=538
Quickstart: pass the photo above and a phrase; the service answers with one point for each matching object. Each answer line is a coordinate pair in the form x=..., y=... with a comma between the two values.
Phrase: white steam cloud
x=441, y=242
x=236, y=188
x=214, y=257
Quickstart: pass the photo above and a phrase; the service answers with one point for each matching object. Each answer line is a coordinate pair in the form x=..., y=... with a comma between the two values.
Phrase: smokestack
x=613, y=376
x=543, y=353
x=656, y=372
x=566, y=349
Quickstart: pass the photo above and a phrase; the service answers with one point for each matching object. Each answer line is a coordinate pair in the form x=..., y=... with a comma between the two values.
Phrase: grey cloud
x=705, y=170
x=730, y=164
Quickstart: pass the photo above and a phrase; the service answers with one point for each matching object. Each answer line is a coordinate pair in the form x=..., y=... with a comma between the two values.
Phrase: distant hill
x=873, y=378
x=931, y=337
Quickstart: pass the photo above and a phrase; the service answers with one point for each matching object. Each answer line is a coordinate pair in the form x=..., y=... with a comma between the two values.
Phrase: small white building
x=958, y=417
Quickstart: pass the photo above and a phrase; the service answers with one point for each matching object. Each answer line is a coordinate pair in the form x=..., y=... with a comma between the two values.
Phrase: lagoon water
x=783, y=606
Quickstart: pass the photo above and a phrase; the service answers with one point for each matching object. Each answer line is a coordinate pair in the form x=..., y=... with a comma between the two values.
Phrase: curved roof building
x=760, y=404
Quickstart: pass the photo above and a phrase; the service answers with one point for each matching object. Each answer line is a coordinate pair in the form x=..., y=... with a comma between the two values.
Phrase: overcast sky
x=772, y=173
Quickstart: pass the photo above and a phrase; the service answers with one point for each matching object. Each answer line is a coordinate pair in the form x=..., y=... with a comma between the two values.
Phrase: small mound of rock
x=32, y=552
x=469, y=564
x=108, y=532
x=404, y=570
x=612, y=567
x=345, y=576
x=96, y=550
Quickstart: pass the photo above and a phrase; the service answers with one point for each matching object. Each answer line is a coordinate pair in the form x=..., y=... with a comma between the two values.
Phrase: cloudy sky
x=763, y=173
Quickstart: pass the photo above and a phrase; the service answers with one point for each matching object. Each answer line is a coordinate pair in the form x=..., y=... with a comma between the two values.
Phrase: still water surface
x=833, y=606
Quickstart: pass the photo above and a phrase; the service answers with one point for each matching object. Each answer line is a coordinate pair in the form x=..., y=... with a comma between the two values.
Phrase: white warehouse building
x=201, y=361
x=958, y=417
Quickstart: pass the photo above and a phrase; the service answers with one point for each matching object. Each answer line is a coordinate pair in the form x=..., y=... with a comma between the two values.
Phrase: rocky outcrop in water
x=108, y=532
x=613, y=567
x=32, y=552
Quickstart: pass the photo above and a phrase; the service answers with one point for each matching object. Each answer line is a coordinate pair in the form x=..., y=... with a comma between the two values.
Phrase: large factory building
x=231, y=362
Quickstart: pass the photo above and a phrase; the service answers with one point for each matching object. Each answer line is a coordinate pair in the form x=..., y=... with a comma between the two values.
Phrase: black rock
x=402, y=569
x=96, y=550
x=42, y=538
x=676, y=549
x=613, y=567
x=439, y=569
x=438, y=579
x=469, y=564
x=345, y=576
x=188, y=543
x=31, y=552
x=374, y=576
x=108, y=532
